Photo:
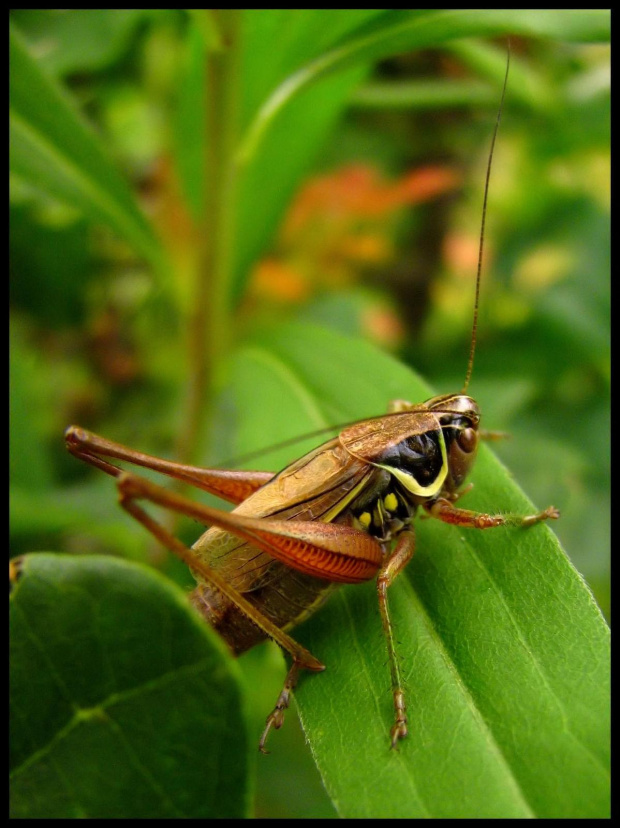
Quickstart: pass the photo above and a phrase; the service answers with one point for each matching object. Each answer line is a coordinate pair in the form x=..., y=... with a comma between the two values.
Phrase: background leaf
x=400, y=31
x=286, y=110
x=134, y=709
x=53, y=149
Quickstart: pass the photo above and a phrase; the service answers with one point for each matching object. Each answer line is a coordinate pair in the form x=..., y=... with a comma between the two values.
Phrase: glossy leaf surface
x=134, y=709
x=504, y=651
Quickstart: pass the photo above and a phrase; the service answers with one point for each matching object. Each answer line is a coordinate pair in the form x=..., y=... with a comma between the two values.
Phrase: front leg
x=443, y=510
x=395, y=563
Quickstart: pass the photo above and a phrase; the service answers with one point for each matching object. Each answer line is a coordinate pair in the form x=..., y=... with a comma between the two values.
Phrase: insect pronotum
x=341, y=514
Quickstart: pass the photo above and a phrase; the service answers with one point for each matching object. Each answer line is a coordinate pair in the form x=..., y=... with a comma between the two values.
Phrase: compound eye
x=467, y=440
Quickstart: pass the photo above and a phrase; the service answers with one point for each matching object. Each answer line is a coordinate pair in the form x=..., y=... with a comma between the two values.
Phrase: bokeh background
x=373, y=234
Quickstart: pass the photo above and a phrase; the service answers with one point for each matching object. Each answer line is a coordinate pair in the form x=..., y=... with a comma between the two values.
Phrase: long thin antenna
x=474, y=331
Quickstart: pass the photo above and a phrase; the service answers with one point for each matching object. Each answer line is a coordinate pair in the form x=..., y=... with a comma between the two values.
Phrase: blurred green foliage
x=152, y=235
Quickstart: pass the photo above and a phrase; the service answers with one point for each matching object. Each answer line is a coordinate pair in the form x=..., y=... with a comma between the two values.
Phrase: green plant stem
x=209, y=325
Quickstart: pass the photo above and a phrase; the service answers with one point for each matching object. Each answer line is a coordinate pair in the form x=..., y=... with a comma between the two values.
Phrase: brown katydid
x=342, y=513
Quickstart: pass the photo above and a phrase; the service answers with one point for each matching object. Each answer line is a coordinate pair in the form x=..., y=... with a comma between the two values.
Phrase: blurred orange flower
x=338, y=222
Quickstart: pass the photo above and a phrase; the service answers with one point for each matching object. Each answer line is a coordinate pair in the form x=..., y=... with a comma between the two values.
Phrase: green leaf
x=30, y=463
x=79, y=40
x=123, y=703
x=190, y=123
x=293, y=140
x=504, y=651
x=290, y=106
x=55, y=150
x=402, y=31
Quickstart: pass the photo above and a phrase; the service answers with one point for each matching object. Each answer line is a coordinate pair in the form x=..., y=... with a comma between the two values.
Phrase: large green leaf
x=123, y=704
x=504, y=651
x=55, y=150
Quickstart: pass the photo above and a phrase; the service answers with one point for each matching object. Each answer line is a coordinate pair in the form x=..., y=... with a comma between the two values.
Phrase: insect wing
x=318, y=486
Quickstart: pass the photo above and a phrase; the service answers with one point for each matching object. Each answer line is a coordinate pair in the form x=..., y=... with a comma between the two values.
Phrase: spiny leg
x=132, y=488
x=276, y=718
x=402, y=554
x=443, y=510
